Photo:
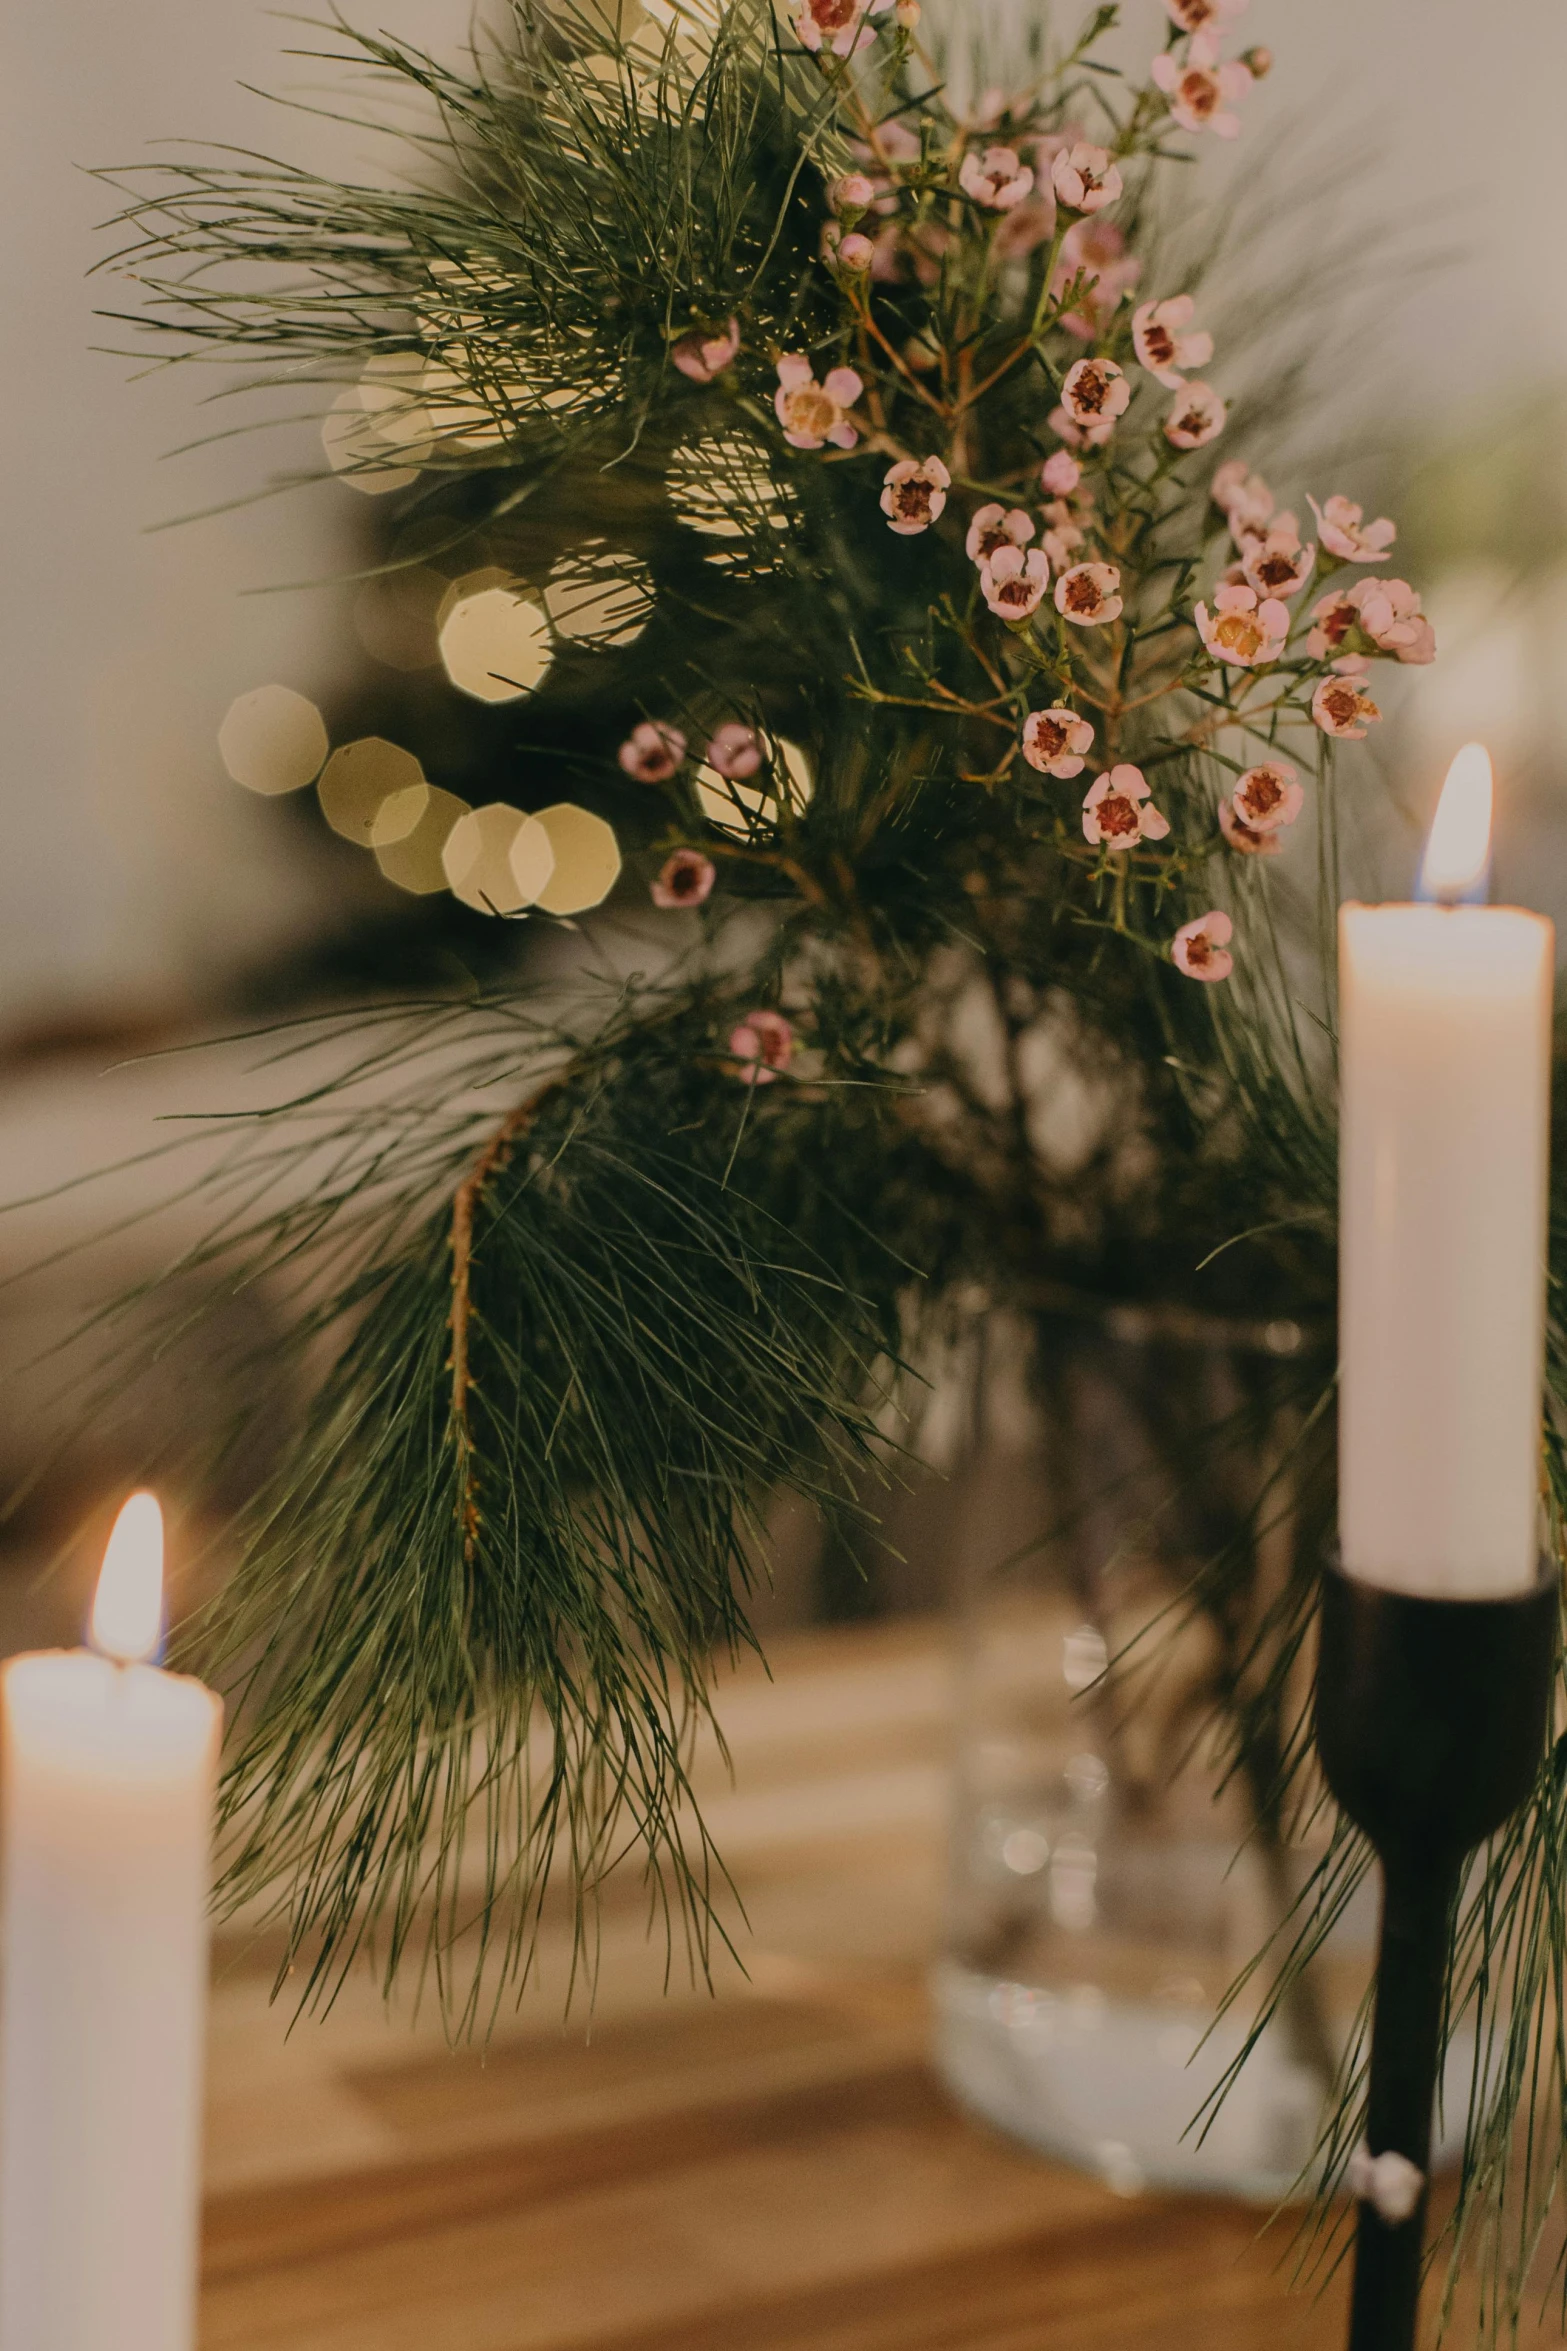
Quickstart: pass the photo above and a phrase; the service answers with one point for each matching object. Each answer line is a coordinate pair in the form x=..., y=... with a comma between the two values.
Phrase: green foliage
x=587, y=1294
x=671, y=1291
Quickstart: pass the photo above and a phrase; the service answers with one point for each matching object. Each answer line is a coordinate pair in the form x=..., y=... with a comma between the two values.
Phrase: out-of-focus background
x=145, y=896
x=136, y=880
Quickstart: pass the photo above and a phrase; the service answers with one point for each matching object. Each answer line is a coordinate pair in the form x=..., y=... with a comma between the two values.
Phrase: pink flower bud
x=853, y=193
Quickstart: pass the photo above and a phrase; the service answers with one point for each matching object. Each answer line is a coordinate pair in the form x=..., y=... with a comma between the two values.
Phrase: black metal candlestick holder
x=1431, y=1723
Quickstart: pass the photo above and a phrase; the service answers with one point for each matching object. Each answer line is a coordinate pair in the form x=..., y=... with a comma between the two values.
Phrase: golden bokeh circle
x=723, y=487
x=359, y=779
x=389, y=395
x=495, y=644
x=474, y=583
x=357, y=453
x=496, y=860
x=273, y=740
x=599, y=596
x=409, y=833
x=587, y=858
x=737, y=808
x=532, y=860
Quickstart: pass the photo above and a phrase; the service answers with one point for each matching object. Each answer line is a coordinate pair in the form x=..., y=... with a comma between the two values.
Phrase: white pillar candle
x=1445, y=1031
x=109, y=1771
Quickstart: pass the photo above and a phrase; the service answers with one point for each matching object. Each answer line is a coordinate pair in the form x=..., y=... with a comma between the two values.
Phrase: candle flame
x=1458, y=852
x=127, y=1609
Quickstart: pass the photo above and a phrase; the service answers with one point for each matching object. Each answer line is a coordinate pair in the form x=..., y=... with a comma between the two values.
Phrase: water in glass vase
x=1112, y=1872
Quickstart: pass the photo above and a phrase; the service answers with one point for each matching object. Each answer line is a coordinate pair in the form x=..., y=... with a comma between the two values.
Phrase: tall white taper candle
x=1445, y=1028
x=109, y=1768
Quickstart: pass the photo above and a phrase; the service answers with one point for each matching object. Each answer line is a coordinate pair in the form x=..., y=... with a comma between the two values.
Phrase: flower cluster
x=992, y=254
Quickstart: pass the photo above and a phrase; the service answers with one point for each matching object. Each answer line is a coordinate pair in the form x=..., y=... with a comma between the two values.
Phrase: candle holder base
x=1431, y=1719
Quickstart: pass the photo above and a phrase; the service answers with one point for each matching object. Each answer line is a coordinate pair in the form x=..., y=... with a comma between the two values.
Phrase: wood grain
x=770, y=2167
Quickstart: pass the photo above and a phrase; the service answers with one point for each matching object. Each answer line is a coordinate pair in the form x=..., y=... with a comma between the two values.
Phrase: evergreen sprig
x=592, y=1281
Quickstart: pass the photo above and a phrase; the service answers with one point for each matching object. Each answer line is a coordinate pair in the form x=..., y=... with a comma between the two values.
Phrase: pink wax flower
x=913, y=495
x=1196, y=419
x=1077, y=436
x=1095, y=392
x=1391, y=616
x=997, y=178
x=1228, y=483
x=1335, y=615
x=1268, y=796
x=1244, y=837
x=1345, y=534
x=1117, y=812
x=1203, y=90
x=1084, y=178
x=1061, y=543
x=702, y=357
x=887, y=255
x=1089, y=595
x=1094, y=249
x=1166, y=342
x=735, y=751
x=812, y=413
x=1243, y=497
x=651, y=753
x=1386, y=611
x=1054, y=741
x=1341, y=706
x=685, y=878
x=853, y=193
x=997, y=526
x=1258, y=62
x=1203, y=16
x=925, y=246
x=763, y=1045
x=1274, y=562
x=1244, y=629
x=1199, y=947
x=1013, y=584
x=896, y=142
x=854, y=251
x=1060, y=474
x=839, y=23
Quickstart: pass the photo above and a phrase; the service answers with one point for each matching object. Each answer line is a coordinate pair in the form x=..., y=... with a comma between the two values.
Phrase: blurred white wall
x=130, y=866
x=1455, y=117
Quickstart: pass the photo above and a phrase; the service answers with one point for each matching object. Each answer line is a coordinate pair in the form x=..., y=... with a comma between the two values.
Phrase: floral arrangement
x=975, y=742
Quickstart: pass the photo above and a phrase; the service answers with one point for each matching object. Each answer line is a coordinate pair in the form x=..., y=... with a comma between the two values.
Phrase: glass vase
x=1114, y=1865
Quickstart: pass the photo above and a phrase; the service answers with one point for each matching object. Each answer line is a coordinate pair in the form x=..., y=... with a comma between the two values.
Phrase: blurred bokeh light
x=587, y=858
x=495, y=642
x=598, y=597
x=497, y=860
x=358, y=779
x=273, y=740
x=734, y=807
x=356, y=451
x=409, y=832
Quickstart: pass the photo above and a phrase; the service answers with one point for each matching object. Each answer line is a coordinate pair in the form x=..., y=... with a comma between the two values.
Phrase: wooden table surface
x=769, y=2169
